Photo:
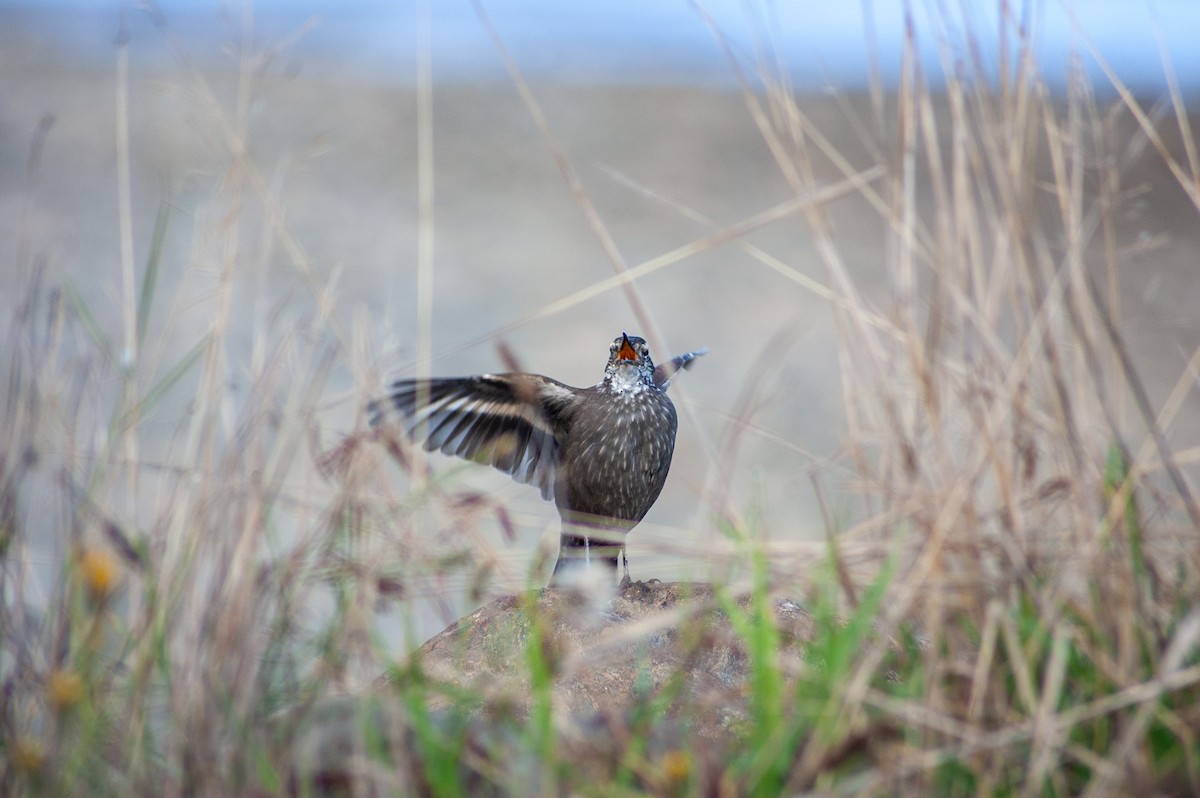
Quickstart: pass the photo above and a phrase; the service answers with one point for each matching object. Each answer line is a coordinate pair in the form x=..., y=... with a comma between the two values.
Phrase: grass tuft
x=192, y=590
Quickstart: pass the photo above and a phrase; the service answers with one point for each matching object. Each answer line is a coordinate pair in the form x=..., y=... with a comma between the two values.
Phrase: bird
x=602, y=453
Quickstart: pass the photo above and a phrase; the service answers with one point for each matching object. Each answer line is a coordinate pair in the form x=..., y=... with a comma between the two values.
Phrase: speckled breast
x=616, y=460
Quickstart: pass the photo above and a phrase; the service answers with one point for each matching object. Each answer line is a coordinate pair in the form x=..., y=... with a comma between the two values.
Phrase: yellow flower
x=28, y=755
x=98, y=569
x=64, y=688
x=676, y=766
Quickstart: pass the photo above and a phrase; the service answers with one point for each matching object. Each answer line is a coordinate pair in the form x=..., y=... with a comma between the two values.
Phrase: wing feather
x=665, y=371
x=508, y=421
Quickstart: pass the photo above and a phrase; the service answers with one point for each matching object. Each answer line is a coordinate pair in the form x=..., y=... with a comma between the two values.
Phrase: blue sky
x=666, y=41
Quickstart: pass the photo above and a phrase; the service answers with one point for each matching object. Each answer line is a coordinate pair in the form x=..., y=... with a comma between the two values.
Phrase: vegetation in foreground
x=1010, y=609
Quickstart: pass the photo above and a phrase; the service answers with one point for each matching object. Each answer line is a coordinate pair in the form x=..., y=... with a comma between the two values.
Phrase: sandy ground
x=340, y=153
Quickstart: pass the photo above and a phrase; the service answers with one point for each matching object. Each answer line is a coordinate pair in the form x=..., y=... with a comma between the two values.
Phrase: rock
x=606, y=658
x=555, y=691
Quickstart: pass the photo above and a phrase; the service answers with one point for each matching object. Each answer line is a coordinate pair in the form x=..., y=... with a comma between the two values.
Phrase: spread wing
x=665, y=371
x=508, y=421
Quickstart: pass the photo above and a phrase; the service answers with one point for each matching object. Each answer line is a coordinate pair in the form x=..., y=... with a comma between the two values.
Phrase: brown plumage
x=601, y=452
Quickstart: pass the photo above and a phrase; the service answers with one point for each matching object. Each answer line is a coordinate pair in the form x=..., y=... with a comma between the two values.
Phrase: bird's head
x=629, y=366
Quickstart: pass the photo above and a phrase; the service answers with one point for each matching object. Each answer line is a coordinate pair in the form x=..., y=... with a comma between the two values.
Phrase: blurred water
x=336, y=121
x=657, y=42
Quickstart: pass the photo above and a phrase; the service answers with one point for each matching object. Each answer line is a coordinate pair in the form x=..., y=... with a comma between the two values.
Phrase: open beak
x=626, y=352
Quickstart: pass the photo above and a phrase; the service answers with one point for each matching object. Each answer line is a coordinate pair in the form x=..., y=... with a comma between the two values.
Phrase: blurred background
x=643, y=99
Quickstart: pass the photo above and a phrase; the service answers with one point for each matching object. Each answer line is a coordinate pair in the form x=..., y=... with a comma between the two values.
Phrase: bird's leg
x=625, y=562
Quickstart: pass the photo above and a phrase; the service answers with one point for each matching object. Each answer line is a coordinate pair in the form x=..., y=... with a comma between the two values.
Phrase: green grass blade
x=168, y=381
x=88, y=320
x=150, y=278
